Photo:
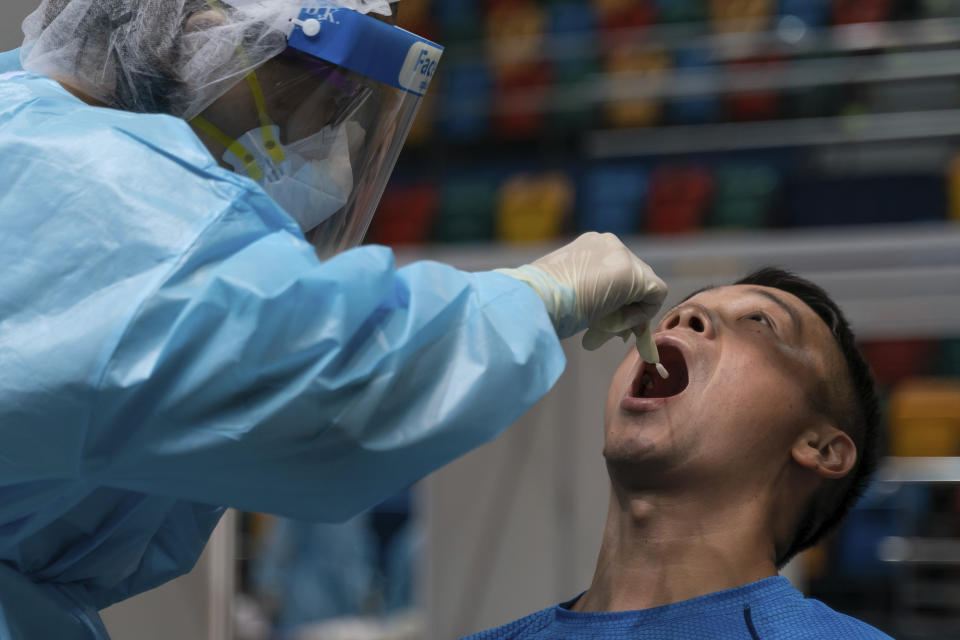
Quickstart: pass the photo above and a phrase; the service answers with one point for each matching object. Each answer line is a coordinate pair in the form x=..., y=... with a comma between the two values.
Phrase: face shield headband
x=359, y=83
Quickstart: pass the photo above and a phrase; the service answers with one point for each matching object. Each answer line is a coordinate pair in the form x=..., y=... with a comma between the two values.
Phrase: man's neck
x=659, y=549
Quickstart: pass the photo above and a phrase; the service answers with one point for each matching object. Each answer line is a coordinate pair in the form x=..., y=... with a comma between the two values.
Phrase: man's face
x=745, y=363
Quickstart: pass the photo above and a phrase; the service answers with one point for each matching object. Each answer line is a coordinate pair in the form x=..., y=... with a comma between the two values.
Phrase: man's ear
x=827, y=451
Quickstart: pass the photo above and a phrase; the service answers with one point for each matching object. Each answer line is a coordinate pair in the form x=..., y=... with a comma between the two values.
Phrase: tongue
x=664, y=388
x=673, y=360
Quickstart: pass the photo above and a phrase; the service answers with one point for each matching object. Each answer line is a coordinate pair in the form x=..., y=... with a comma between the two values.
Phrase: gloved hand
x=596, y=282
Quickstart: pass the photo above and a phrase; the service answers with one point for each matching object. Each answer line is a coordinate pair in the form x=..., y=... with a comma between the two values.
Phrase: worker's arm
x=165, y=328
x=259, y=378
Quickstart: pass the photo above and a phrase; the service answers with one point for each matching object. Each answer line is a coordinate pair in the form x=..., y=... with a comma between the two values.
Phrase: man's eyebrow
x=794, y=316
x=690, y=295
x=709, y=287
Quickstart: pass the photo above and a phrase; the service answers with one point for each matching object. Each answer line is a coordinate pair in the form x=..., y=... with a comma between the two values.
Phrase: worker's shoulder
x=38, y=111
x=142, y=185
x=10, y=61
x=39, y=118
x=112, y=161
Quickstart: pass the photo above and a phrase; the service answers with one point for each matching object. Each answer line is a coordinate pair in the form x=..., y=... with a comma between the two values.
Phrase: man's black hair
x=859, y=413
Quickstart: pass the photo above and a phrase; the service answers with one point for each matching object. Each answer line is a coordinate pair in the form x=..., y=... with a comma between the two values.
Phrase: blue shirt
x=769, y=609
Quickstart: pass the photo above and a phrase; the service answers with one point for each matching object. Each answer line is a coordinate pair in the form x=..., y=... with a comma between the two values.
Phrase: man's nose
x=692, y=317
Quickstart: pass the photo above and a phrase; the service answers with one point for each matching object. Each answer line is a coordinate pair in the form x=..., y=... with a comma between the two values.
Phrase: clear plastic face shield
x=321, y=125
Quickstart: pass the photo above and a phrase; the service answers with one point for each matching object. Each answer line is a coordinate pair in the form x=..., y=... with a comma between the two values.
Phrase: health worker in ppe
x=181, y=326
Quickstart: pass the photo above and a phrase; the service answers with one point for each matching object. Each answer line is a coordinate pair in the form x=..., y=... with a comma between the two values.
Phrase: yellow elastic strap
x=212, y=130
x=271, y=144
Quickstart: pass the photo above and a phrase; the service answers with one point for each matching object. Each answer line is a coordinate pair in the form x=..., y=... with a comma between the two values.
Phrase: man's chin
x=637, y=461
x=628, y=437
x=633, y=450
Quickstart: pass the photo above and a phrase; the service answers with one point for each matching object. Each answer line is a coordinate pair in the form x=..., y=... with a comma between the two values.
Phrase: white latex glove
x=595, y=282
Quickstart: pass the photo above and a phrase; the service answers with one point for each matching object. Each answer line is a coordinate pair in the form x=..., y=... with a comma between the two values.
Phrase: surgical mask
x=311, y=179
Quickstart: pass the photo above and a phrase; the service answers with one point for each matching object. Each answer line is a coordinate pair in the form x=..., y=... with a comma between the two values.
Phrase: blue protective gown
x=170, y=345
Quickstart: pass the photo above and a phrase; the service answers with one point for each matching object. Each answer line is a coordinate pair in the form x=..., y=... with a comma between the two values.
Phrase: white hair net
x=160, y=56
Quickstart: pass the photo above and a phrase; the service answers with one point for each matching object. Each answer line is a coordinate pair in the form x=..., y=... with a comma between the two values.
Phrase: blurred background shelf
x=794, y=31
x=661, y=117
x=930, y=470
x=804, y=132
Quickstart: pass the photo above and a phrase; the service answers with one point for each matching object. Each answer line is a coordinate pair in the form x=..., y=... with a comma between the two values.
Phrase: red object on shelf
x=679, y=199
x=497, y=5
x=514, y=48
x=520, y=99
x=853, y=11
x=754, y=105
x=895, y=360
x=405, y=215
x=632, y=14
x=757, y=105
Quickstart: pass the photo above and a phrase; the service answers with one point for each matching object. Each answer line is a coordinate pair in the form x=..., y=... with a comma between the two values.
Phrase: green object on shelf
x=466, y=212
x=682, y=10
x=572, y=108
x=575, y=70
x=949, y=360
x=813, y=102
x=743, y=196
x=740, y=214
x=939, y=9
x=746, y=181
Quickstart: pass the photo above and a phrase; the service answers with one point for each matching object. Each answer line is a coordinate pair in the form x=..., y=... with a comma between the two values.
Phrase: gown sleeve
x=260, y=378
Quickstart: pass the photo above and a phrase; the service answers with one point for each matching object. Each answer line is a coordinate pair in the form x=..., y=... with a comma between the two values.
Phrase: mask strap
x=212, y=130
x=269, y=141
x=266, y=125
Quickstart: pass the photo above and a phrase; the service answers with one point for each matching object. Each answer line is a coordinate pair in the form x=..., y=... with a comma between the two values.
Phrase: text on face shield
x=418, y=68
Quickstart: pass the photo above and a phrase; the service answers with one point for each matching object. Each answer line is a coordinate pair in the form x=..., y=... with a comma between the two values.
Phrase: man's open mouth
x=649, y=384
